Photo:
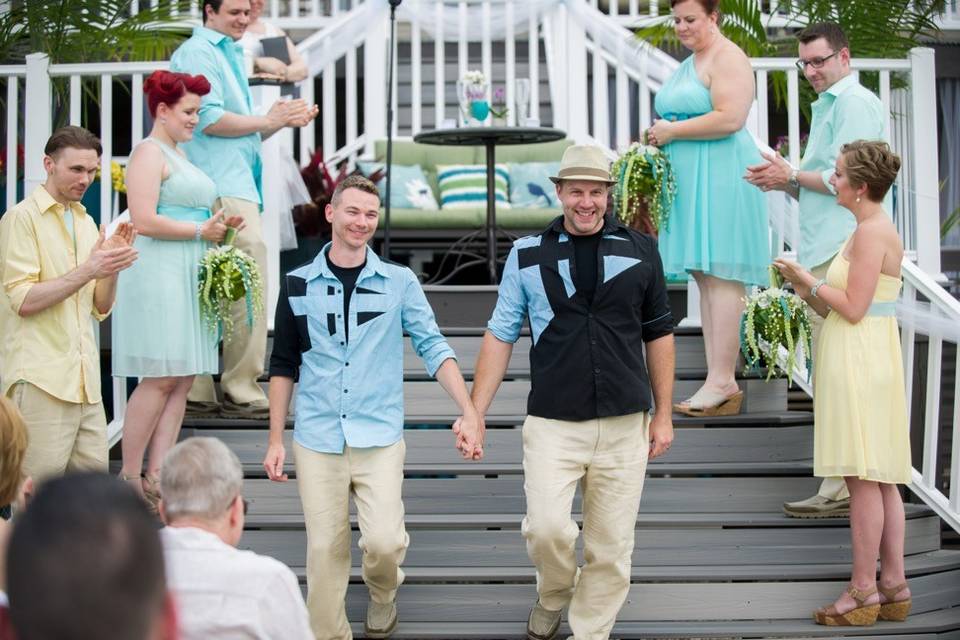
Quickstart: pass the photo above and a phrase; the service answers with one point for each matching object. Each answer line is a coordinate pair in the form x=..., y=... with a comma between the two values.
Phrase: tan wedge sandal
x=892, y=609
x=864, y=615
x=725, y=406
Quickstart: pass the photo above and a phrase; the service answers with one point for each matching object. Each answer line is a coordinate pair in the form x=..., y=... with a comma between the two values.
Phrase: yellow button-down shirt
x=54, y=349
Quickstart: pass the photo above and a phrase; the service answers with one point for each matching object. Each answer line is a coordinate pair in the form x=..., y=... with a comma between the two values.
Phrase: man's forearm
x=105, y=293
x=235, y=125
x=279, y=394
x=813, y=181
x=491, y=366
x=661, y=362
x=46, y=294
x=450, y=378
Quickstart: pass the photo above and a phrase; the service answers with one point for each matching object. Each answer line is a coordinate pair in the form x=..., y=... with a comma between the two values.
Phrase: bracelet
x=196, y=235
x=816, y=286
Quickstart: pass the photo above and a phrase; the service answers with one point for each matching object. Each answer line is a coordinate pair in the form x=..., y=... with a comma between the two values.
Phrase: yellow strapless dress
x=860, y=411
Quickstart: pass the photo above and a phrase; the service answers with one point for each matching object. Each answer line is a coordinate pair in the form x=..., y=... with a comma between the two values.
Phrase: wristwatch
x=794, y=180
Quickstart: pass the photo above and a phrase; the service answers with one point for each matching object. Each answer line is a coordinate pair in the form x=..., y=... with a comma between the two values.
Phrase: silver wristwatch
x=794, y=180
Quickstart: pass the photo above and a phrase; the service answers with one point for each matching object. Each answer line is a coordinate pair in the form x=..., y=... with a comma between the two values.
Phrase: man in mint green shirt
x=845, y=111
x=226, y=146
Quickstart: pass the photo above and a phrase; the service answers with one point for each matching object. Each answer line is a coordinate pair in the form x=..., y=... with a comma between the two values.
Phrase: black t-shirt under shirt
x=585, y=250
x=348, y=278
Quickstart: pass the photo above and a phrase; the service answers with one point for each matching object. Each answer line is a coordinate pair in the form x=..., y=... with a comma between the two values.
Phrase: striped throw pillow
x=465, y=185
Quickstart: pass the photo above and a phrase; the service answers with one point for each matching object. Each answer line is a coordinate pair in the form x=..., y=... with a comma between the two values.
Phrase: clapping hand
x=470, y=432
x=108, y=258
x=123, y=236
x=772, y=175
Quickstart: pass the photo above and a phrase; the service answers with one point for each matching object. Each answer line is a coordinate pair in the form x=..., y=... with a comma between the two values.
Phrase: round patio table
x=490, y=137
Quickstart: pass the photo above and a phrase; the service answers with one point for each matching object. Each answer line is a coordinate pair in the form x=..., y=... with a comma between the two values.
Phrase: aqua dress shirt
x=233, y=163
x=351, y=393
x=843, y=113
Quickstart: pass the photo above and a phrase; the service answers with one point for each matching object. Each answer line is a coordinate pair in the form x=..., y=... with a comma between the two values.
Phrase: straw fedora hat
x=584, y=162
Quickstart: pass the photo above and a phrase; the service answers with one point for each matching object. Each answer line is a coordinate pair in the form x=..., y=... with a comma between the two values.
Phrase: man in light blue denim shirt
x=339, y=331
x=226, y=146
x=844, y=112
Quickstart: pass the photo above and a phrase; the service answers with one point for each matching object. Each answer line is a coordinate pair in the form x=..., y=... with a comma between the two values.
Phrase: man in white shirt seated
x=221, y=592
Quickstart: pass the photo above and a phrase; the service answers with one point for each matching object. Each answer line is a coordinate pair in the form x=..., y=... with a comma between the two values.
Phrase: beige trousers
x=373, y=476
x=61, y=436
x=244, y=354
x=830, y=488
x=607, y=457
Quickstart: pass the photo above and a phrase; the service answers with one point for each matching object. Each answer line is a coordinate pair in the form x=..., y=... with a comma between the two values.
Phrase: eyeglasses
x=816, y=63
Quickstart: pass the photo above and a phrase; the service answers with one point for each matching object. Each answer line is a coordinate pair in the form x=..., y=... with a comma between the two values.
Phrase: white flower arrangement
x=227, y=274
x=775, y=332
x=474, y=84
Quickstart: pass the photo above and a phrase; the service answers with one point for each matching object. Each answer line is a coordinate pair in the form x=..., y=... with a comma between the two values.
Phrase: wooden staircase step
x=720, y=450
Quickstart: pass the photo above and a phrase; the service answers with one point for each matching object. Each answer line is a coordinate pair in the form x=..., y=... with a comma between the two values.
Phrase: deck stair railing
x=601, y=84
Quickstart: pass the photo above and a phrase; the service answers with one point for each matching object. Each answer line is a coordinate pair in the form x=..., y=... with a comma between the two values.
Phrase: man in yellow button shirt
x=58, y=274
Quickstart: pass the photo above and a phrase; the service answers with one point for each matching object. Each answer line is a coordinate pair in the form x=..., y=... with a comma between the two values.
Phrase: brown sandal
x=892, y=609
x=151, y=492
x=728, y=406
x=864, y=615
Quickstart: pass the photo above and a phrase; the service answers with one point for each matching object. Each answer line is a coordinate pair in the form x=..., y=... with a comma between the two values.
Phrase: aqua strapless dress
x=718, y=224
x=156, y=320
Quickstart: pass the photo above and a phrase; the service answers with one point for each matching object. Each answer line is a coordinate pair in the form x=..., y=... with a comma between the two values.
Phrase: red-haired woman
x=157, y=332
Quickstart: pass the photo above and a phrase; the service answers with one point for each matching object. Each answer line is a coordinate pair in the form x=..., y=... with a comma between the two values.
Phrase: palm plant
x=90, y=31
x=875, y=29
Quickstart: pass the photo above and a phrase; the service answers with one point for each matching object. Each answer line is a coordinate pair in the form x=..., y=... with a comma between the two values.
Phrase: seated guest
x=221, y=592
x=85, y=561
x=13, y=485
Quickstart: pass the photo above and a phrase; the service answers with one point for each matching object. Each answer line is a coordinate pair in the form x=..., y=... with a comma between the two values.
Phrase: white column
x=926, y=172
x=575, y=48
x=37, y=120
x=375, y=82
x=270, y=153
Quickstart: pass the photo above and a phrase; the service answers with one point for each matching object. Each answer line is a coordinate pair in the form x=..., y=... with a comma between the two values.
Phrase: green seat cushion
x=527, y=219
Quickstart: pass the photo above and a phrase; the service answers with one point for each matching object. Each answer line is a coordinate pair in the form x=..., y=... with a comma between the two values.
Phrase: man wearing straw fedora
x=594, y=293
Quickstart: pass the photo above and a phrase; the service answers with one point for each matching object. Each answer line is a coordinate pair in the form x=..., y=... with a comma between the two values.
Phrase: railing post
x=263, y=97
x=923, y=99
x=575, y=50
x=37, y=120
x=375, y=82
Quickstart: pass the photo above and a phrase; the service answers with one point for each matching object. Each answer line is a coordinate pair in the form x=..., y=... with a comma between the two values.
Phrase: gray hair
x=199, y=478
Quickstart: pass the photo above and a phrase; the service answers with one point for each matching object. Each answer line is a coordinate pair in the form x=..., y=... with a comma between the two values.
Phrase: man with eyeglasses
x=845, y=111
x=221, y=592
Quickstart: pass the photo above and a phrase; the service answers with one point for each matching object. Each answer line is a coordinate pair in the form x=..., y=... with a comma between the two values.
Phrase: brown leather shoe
x=245, y=410
x=542, y=623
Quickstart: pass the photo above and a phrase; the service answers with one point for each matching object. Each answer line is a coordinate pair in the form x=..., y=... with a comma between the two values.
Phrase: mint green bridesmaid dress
x=156, y=320
x=718, y=224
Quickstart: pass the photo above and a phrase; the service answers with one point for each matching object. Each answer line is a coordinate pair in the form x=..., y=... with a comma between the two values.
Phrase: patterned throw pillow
x=408, y=186
x=465, y=185
x=530, y=185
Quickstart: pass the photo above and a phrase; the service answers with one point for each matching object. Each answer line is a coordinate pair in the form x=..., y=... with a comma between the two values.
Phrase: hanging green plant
x=775, y=331
x=226, y=275
x=645, y=189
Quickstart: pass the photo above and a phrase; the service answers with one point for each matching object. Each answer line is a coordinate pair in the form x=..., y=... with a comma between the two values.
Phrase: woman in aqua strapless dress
x=157, y=331
x=718, y=230
x=860, y=409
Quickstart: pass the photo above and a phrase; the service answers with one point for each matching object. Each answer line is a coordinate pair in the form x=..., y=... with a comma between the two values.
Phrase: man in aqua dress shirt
x=226, y=146
x=844, y=111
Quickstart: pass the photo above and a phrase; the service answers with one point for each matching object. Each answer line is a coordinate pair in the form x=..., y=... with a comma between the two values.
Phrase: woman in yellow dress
x=860, y=413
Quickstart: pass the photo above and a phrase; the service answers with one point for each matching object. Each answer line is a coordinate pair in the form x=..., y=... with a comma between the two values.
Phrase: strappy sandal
x=716, y=405
x=151, y=505
x=893, y=609
x=863, y=615
x=151, y=492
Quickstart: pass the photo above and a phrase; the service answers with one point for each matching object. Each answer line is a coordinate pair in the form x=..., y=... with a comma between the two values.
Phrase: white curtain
x=948, y=93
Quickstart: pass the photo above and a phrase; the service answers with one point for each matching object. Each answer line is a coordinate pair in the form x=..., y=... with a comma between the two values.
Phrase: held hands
x=661, y=433
x=273, y=462
x=470, y=432
x=110, y=257
x=772, y=175
x=272, y=66
x=291, y=113
x=215, y=228
x=659, y=133
x=796, y=275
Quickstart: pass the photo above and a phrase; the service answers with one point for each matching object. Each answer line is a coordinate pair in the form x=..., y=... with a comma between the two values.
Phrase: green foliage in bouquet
x=775, y=321
x=227, y=274
x=645, y=187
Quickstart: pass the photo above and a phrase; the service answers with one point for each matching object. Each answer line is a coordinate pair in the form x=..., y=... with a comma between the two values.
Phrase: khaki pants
x=830, y=488
x=326, y=481
x=607, y=457
x=61, y=436
x=245, y=352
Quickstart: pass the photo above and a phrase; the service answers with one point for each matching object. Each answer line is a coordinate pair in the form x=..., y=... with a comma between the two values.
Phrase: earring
x=858, y=199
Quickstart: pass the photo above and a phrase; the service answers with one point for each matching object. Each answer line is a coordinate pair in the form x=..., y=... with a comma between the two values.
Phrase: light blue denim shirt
x=234, y=164
x=351, y=393
x=845, y=112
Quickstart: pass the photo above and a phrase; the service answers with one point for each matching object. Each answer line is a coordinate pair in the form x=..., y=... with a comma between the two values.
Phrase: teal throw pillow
x=530, y=185
x=408, y=186
x=464, y=186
